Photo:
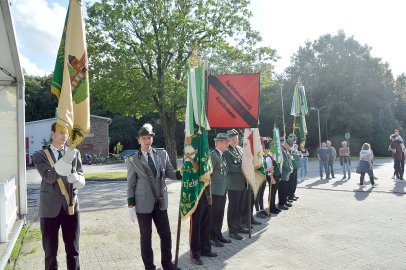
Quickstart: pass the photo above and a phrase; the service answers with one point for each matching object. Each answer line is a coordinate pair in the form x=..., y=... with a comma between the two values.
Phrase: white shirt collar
x=55, y=150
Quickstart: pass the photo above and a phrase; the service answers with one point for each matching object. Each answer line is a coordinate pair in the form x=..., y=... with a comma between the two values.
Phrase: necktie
x=151, y=164
x=59, y=154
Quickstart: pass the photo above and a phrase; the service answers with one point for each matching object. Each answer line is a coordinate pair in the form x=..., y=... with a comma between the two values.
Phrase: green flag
x=197, y=165
x=299, y=110
x=70, y=82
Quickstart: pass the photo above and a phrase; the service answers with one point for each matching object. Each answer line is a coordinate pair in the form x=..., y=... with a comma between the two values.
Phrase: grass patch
x=100, y=176
x=27, y=234
x=17, y=246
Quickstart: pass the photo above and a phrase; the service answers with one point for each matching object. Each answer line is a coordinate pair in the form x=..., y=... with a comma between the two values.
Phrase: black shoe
x=224, y=240
x=197, y=261
x=260, y=215
x=216, y=243
x=274, y=211
x=291, y=199
x=245, y=226
x=265, y=213
x=288, y=204
x=282, y=207
x=333, y=176
x=244, y=230
x=235, y=236
x=296, y=197
x=172, y=267
x=210, y=254
x=255, y=222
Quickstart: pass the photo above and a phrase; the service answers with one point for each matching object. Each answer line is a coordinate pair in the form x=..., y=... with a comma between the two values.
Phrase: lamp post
x=318, y=118
x=283, y=111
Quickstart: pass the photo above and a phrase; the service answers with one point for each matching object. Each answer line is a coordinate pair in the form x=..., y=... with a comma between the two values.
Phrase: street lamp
x=318, y=117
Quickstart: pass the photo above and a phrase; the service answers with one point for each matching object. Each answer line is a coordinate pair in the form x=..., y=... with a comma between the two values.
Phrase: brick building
x=96, y=142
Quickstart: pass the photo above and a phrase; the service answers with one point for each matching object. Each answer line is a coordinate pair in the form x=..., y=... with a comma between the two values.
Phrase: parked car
x=87, y=159
x=126, y=153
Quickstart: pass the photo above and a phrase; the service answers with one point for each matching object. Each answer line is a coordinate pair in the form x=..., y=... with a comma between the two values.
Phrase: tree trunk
x=168, y=122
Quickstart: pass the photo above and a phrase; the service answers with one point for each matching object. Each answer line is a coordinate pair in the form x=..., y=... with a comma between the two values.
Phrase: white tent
x=13, y=187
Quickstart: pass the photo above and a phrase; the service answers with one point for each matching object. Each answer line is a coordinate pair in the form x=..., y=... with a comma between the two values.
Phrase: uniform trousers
x=282, y=189
x=259, y=202
x=248, y=206
x=273, y=192
x=199, y=232
x=70, y=234
x=234, y=213
x=292, y=183
x=160, y=218
x=219, y=203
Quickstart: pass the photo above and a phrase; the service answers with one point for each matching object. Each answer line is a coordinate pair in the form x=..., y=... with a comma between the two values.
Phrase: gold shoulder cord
x=71, y=209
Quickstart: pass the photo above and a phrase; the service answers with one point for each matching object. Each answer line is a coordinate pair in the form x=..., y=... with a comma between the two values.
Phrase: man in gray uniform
x=147, y=197
x=60, y=169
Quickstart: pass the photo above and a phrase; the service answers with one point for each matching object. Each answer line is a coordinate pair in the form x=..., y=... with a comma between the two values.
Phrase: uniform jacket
x=287, y=167
x=236, y=179
x=296, y=159
x=51, y=199
x=218, y=179
x=139, y=192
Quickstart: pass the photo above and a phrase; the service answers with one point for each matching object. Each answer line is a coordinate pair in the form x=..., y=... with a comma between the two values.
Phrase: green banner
x=196, y=171
x=197, y=165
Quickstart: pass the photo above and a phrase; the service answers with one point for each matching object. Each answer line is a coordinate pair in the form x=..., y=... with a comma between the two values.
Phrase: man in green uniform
x=235, y=186
x=219, y=189
x=296, y=165
x=287, y=169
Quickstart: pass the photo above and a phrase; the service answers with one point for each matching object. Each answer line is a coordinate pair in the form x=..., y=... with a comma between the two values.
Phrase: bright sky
x=284, y=25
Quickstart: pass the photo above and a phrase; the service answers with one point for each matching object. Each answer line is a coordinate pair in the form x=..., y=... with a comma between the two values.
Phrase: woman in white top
x=365, y=163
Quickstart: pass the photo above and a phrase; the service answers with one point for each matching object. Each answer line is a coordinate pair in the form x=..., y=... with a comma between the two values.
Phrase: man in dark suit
x=59, y=167
x=147, y=197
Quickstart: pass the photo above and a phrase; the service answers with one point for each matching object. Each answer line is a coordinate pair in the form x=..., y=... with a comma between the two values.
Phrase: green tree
x=400, y=99
x=139, y=52
x=40, y=102
x=340, y=73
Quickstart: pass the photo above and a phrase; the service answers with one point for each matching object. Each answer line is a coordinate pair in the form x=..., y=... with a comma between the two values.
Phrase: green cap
x=232, y=133
x=221, y=137
x=146, y=130
x=289, y=141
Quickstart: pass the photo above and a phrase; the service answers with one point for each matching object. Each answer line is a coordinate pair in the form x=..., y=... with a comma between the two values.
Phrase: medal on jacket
x=236, y=154
x=223, y=165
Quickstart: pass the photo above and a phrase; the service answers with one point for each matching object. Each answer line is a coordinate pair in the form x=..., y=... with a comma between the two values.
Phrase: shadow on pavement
x=340, y=182
x=226, y=252
x=399, y=188
x=361, y=194
x=318, y=182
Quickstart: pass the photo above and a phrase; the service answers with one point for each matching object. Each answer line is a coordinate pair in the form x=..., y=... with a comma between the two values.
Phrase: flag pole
x=177, y=240
x=249, y=210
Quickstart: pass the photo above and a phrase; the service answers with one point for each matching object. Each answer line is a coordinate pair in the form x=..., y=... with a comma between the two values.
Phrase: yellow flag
x=70, y=82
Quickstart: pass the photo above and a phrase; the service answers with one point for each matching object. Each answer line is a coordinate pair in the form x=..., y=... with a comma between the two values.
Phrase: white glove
x=70, y=155
x=132, y=214
x=73, y=178
x=63, y=168
x=80, y=183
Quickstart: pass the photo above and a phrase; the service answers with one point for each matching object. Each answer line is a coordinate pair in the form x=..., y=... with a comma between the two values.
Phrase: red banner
x=233, y=101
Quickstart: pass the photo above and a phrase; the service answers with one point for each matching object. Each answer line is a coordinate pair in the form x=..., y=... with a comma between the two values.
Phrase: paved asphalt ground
x=334, y=225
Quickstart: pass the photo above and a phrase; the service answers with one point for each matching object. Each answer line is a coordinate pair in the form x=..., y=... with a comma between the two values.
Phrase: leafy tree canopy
x=139, y=51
